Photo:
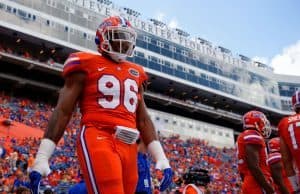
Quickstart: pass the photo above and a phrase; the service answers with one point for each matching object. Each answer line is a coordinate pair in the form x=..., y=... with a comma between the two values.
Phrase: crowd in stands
x=19, y=48
x=19, y=154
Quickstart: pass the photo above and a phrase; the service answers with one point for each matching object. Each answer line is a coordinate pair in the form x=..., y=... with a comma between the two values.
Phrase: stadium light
x=182, y=33
x=131, y=12
x=168, y=103
x=259, y=64
x=157, y=22
x=224, y=50
x=22, y=82
x=106, y=2
x=203, y=41
x=30, y=66
x=244, y=58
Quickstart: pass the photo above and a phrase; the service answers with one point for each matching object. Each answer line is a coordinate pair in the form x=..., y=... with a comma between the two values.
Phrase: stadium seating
x=221, y=163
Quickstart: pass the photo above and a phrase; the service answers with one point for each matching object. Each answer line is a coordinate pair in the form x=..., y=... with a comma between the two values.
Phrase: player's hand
x=35, y=180
x=41, y=165
x=167, y=180
x=162, y=163
x=168, y=174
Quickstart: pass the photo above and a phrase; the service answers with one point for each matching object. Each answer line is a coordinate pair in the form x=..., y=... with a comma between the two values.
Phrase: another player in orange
x=196, y=181
x=252, y=154
x=192, y=189
x=289, y=131
x=109, y=91
x=283, y=184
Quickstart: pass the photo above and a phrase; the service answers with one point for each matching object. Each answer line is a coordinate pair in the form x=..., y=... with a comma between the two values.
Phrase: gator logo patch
x=134, y=72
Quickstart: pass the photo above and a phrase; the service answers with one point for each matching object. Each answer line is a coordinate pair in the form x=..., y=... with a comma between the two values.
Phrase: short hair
x=48, y=191
x=21, y=190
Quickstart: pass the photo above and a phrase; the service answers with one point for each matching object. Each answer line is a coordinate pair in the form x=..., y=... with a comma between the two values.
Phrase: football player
x=109, y=91
x=196, y=181
x=277, y=170
x=289, y=131
x=252, y=154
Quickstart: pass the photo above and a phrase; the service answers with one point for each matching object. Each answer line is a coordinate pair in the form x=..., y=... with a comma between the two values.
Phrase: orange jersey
x=289, y=130
x=111, y=92
x=251, y=137
x=274, y=158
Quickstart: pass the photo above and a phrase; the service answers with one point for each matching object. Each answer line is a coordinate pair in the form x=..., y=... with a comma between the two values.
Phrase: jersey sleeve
x=74, y=63
x=274, y=158
x=144, y=76
x=253, y=137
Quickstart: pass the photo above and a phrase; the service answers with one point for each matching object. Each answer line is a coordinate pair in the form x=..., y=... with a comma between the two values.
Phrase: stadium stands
x=20, y=151
x=204, y=89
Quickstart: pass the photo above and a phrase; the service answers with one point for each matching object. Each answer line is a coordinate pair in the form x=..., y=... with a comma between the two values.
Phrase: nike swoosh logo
x=101, y=69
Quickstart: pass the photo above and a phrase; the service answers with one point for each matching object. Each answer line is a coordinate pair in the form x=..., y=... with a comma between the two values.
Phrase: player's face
x=120, y=46
x=121, y=41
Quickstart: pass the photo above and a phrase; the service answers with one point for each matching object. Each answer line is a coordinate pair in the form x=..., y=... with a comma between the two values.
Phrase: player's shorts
x=109, y=166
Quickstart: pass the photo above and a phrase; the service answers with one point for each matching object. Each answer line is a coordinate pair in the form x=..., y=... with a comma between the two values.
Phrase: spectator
x=23, y=190
x=21, y=163
x=48, y=191
x=20, y=181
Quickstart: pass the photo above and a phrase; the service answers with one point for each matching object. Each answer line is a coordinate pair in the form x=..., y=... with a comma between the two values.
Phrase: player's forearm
x=283, y=188
x=57, y=124
x=259, y=176
x=287, y=158
x=278, y=181
x=276, y=170
x=147, y=130
x=289, y=169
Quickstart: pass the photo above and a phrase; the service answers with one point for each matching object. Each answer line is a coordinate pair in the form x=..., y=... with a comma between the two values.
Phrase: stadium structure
x=196, y=89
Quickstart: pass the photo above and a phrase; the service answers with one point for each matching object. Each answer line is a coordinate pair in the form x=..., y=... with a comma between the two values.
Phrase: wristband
x=157, y=152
